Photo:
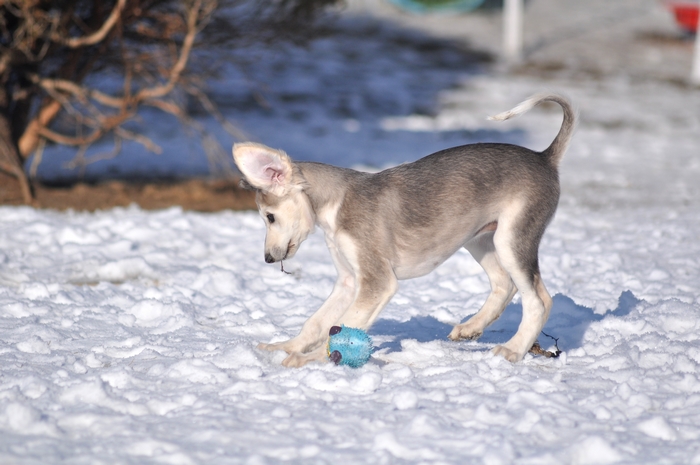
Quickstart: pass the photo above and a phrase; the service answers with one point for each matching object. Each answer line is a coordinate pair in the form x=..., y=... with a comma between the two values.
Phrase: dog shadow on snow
x=567, y=322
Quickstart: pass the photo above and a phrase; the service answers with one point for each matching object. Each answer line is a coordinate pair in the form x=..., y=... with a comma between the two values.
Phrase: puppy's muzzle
x=277, y=253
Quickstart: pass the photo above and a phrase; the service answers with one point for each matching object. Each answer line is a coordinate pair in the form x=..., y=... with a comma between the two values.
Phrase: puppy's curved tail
x=556, y=150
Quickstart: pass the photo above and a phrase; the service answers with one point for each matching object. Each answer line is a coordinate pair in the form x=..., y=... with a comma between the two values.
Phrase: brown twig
x=82, y=161
x=282, y=268
x=212, y=109
x=81, y=92
x=98, y=35
x=536, y=349
x=160, y=91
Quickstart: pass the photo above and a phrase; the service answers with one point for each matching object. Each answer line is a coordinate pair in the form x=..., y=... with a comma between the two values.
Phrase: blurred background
x=113, y=102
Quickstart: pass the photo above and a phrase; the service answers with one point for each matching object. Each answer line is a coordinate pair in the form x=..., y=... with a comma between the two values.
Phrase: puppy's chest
x=326, y=218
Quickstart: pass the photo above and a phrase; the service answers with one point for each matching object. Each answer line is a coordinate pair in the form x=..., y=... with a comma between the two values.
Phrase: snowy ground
x=129, y=336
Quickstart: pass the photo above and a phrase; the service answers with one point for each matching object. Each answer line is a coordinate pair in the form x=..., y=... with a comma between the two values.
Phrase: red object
x=686, y=13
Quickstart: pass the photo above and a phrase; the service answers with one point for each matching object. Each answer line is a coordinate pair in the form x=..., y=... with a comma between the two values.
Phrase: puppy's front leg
x=314, y=333
x=372, y=296
x=315, y=330
x=376, y=288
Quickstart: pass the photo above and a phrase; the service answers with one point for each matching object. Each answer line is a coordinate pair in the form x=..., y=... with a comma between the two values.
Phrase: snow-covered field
x=129, y=336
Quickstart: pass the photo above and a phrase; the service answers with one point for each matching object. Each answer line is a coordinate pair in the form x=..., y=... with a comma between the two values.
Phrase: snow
x=129, y=336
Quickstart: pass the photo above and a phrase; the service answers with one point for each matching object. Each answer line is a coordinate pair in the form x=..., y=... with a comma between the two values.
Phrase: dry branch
x=536, y=349
x=97, y=36
x=193, y=15
x=47, y=49
x=81, y=92
x=62, y=90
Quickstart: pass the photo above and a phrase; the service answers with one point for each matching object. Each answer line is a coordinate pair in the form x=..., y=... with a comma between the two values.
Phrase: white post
x=695, y=73
x=513, y=30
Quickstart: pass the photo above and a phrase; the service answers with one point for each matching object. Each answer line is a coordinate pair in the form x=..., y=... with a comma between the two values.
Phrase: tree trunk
x=13, y=180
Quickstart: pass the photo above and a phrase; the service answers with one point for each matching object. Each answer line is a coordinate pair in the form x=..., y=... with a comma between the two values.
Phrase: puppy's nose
x=269, y=259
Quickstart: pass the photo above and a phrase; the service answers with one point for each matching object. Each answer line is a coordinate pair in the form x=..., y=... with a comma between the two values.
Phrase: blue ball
x=349, y=346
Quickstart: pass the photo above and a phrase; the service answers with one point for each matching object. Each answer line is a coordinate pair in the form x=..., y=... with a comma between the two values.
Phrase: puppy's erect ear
x=264, y=168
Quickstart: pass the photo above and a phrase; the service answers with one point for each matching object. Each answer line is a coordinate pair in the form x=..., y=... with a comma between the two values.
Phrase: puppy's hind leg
x=502, y=289
x=517, y=244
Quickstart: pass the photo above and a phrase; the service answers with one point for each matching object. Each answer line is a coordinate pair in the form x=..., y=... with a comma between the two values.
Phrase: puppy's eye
x=270, y=218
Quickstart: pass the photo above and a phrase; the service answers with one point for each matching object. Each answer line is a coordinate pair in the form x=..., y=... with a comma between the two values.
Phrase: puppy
x=495, y=200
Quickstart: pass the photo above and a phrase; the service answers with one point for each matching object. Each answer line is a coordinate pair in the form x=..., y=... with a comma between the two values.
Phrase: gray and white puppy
x=493, y=199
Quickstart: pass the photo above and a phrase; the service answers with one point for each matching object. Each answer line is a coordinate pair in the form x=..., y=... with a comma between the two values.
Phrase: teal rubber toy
x=349, y=346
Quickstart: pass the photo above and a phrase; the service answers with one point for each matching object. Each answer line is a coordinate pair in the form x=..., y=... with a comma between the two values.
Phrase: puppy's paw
x=301, y=344
x=510, y=355
x=465, y=331
x=297, y=359
x=292, y=345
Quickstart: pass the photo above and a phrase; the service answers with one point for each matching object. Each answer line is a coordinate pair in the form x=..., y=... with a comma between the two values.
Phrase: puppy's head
x=280, y=197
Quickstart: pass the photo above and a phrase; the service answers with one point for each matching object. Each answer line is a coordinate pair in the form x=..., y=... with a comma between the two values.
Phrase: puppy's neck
x=326, y=187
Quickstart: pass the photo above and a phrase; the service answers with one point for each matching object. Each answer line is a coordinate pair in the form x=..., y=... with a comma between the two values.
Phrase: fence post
x=513, y=30
x=695, y=73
